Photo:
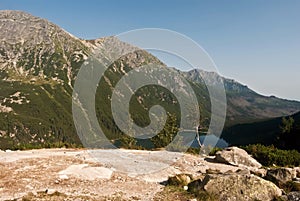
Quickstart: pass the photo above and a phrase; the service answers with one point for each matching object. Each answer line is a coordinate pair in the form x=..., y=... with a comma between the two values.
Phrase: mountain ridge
x=242, y=100
x=37, y=79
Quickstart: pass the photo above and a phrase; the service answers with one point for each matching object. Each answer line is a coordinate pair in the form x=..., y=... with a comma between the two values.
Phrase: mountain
x=39, y=63
x=244, y=104
x=265, y=132
x=38, y=66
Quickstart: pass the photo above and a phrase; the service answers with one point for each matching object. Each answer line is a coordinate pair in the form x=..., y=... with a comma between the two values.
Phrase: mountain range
x=39, y=63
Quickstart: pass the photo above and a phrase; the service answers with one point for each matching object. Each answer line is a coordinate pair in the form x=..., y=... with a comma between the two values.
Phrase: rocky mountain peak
x=21, y=27
x=34, y=47
x=213, y=79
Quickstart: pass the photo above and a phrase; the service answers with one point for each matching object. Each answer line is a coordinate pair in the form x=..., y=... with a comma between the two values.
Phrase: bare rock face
x=237, y=187
x=35, y=48
x=281, y=175
x=237, y=157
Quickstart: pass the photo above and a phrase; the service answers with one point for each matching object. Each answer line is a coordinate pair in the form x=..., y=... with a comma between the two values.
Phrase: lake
x=206, y=140
x=210, y=140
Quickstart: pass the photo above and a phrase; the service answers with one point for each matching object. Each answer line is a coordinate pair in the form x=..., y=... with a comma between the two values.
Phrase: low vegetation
x=173, y=192
x=270, y=155
x=58, y=144
x=282, y=132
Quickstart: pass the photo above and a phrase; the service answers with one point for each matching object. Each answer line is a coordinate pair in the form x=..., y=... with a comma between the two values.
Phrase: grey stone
x=281, y=175
x=293, y=196
x=237, y=187
x=237, y=157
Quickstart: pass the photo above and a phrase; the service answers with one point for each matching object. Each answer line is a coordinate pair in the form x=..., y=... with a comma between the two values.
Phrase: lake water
x=206, y=140
x=210, y=140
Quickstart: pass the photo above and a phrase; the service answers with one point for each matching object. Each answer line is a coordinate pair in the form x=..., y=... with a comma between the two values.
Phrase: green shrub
x=214, y=151
x=269, y=155
x=194, y=151
x=26, y=146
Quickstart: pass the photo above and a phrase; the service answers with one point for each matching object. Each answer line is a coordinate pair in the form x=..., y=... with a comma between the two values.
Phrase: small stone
x=180, y=180
x=50, y=191
x=63, y=177
x=297, y=179
x=56, y=182
x=185, y=188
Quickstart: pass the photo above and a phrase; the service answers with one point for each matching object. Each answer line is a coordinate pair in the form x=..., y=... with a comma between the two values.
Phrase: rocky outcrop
x=237, y=157
x=281, y=175
x=236, y=187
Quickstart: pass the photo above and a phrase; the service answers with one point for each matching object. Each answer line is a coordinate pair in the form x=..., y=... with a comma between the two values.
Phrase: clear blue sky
x=255, y=42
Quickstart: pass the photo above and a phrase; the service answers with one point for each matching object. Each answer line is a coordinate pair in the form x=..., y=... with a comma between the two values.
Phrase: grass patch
x=173, y=193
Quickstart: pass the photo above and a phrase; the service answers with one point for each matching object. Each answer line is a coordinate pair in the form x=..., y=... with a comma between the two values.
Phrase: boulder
x=297, y=169
x=292, y=196
x=236, y=187
x=259, y=172
x=236, y=157
x=281, y=175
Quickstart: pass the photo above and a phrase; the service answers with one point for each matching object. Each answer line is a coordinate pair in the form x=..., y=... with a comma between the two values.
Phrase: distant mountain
x=244, y=104
x=265, y=132
x=39, y=63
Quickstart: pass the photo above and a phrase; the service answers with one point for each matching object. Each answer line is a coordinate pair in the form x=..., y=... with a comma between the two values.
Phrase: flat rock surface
x=97, y=174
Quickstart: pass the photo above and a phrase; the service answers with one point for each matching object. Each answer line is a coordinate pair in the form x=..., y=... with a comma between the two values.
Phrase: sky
x=252, y=41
